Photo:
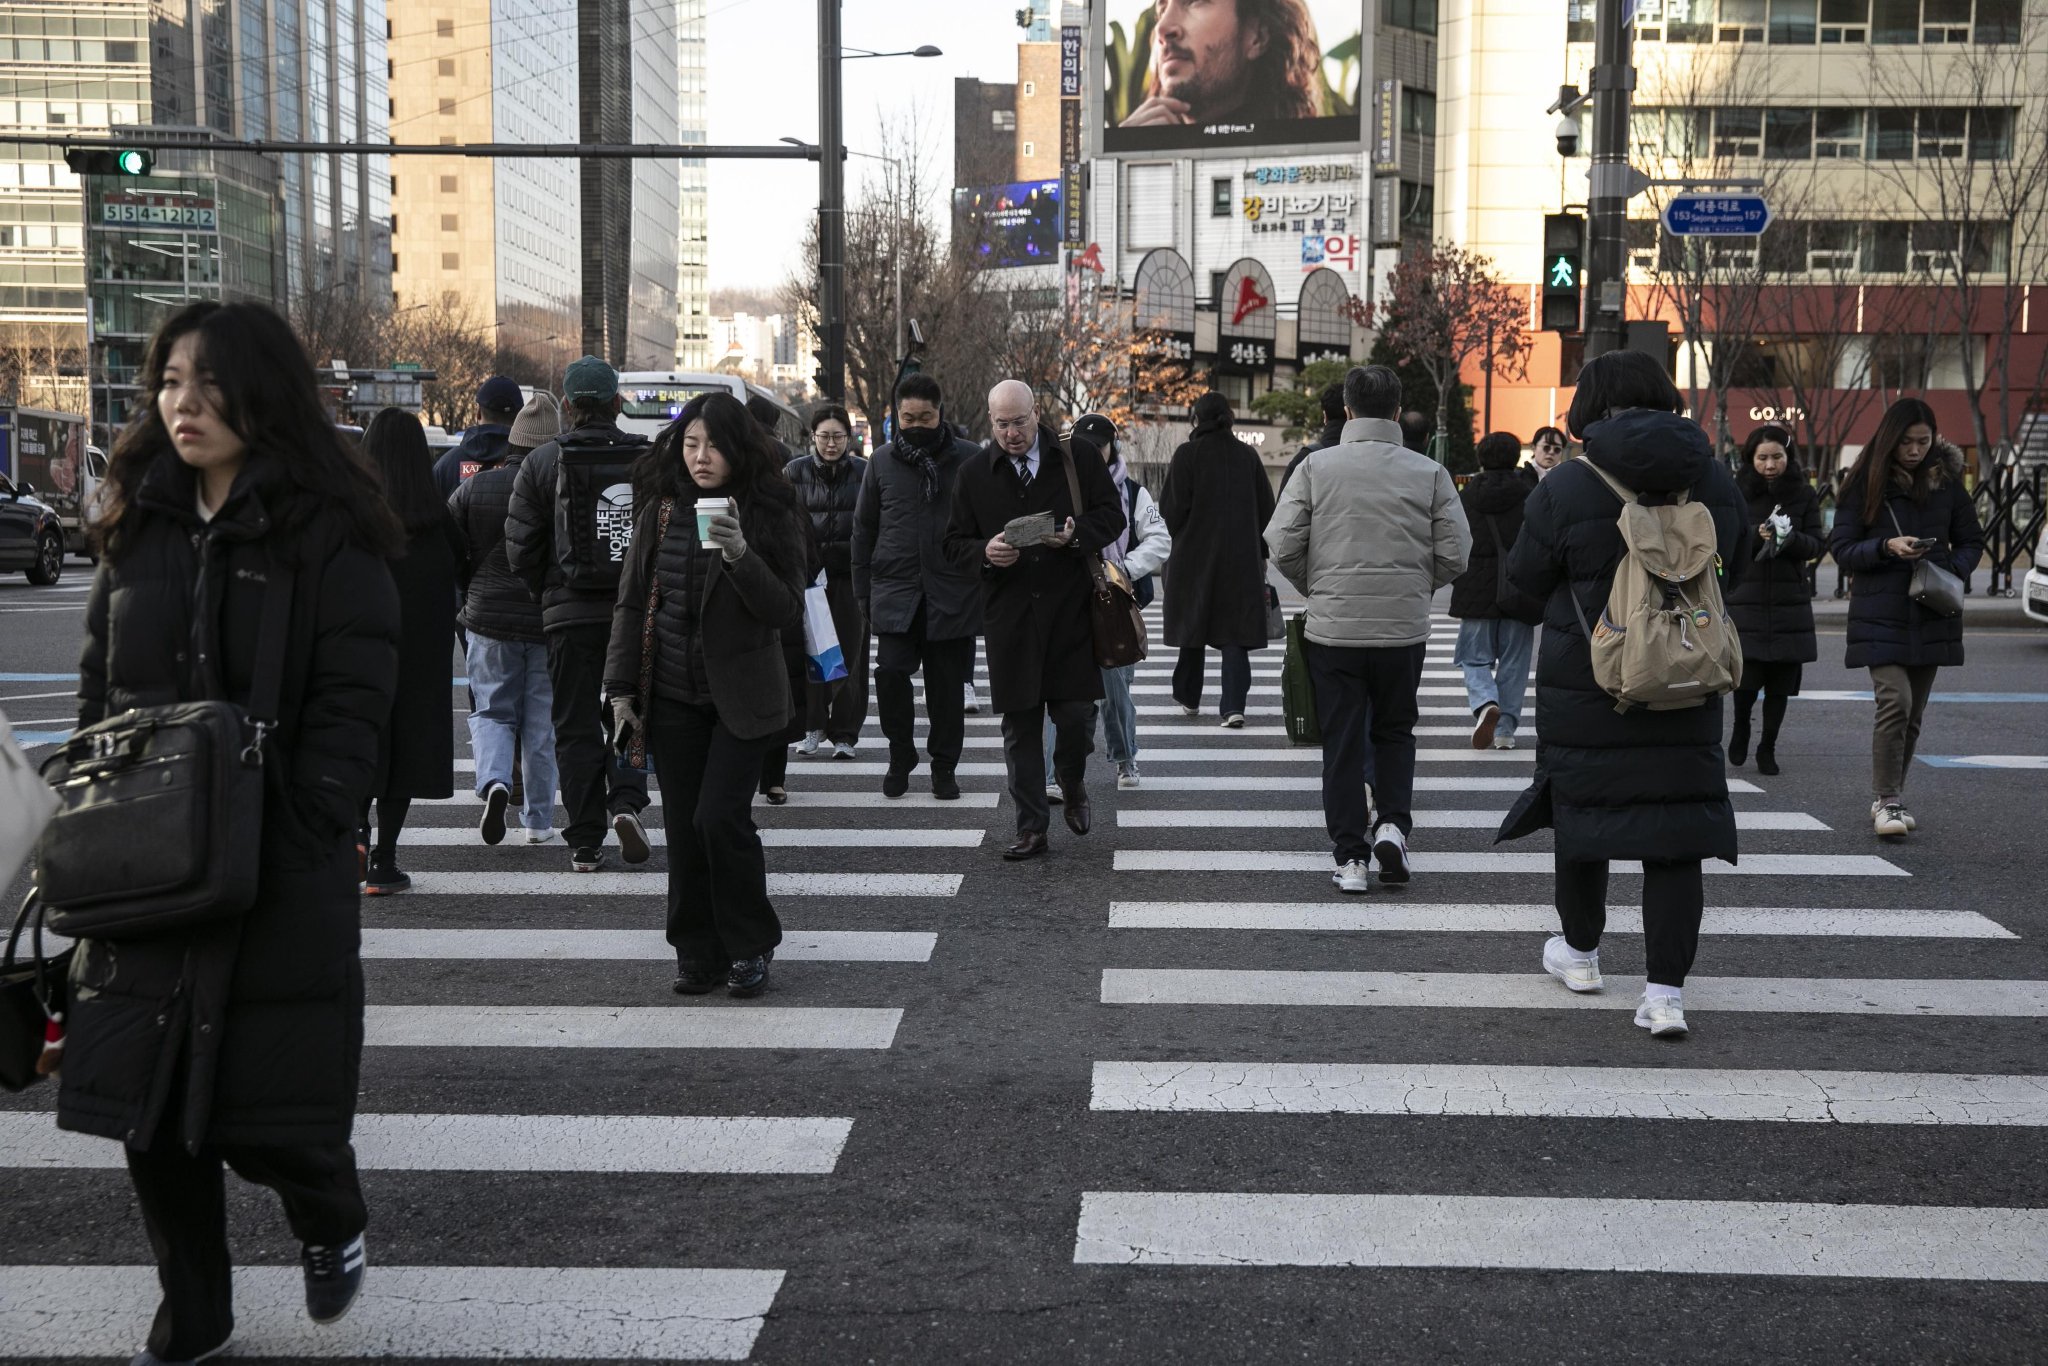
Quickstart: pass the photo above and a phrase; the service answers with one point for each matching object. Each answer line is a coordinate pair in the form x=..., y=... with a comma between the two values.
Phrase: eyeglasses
x=829, y=438
x=1011, y=424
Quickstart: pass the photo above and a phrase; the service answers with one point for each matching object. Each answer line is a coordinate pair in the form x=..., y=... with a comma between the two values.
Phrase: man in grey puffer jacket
x=1368, y=530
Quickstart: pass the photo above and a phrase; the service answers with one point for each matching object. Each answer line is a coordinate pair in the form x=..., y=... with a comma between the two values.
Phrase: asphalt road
x=1014, y=1170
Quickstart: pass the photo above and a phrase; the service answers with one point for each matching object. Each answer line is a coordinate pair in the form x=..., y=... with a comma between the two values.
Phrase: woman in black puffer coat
x=827, y=482
x=239, y=1041
x=1903, y=502
x=1773, y=609
x=1648, y=785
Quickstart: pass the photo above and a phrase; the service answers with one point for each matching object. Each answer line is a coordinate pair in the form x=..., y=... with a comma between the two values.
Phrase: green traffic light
x=134, y=162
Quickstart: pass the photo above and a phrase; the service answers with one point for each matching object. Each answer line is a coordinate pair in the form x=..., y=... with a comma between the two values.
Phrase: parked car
x=31, y=537
x=2034, y=592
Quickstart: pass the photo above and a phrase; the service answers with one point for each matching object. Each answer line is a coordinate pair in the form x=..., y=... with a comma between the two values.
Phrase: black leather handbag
x=32, y=1002
x=1114, y=618
x=159, y=821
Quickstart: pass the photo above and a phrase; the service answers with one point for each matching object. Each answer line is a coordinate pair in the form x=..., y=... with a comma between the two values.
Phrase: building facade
x=1902, y=146
x=693, y=190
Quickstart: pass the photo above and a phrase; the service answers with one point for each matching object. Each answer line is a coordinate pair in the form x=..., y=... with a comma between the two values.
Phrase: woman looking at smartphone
x=1903, y=503
x=696, y=660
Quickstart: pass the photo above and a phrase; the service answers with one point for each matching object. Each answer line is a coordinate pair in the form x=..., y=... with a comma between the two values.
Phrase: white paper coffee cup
x=707, y=508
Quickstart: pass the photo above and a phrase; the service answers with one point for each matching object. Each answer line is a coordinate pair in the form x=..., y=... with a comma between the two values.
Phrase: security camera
x=1567, y=136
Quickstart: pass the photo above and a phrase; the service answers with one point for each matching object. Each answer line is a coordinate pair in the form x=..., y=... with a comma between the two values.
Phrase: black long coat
x=1773, y=605
x=1216, y=502
x=1493, y=504
x=1640, y=784
x=261, y=1018
x=416, y=751
x=1040, y=642
x=1885, y=625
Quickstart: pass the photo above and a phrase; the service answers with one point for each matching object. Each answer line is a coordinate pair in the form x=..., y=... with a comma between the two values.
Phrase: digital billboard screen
x=1011, y=225
x=1185, y=75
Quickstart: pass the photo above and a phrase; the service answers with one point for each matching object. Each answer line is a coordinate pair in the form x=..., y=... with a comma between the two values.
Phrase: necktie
x=1024, y=471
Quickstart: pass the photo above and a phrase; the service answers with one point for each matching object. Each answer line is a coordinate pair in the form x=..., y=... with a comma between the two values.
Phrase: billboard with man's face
x=1185, y=75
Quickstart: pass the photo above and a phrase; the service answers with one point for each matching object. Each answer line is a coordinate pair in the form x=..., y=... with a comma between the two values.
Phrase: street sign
x=1716, y=215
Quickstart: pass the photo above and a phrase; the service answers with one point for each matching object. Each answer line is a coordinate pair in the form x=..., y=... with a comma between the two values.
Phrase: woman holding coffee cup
x=714, y=580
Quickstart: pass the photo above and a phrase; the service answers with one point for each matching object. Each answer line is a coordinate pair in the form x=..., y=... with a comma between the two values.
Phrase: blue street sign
x=1716, y=215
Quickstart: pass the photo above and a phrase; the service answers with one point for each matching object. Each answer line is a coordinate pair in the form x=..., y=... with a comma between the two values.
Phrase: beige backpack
x=1664, y=640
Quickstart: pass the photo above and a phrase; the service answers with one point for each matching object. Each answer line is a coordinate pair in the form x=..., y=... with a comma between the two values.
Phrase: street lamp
x=832, y=55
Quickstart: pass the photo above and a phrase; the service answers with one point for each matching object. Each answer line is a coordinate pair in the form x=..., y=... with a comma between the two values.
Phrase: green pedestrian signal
x=127, y=161
x=1564, y=248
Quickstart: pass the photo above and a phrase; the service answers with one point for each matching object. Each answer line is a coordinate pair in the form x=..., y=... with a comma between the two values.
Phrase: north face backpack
x=594, y=507
x=1664, y=640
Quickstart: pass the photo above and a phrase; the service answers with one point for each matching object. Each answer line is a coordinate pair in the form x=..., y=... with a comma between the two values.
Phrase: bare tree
x=1090, y=354
x=446, y=338
x=42, y=365
x=1447, y=307
x=338, y=321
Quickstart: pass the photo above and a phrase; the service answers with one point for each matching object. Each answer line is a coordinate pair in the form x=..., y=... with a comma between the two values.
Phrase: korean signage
x=1070, y=62
x=1386, y=122
x=1301, y=212
x=130, y=210
x=1196, y=77
x=1074, y=228
x=1338, y=251
x=1386, y=212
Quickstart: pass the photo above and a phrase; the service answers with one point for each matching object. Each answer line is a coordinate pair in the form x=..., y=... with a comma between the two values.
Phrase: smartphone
x=1925, y=543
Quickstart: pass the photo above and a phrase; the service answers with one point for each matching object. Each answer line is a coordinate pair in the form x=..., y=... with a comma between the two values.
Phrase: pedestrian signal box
x=1564, y=255
x=129, y=161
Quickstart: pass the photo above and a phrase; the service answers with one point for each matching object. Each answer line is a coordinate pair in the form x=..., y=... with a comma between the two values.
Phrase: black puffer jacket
x=830, y=493
x=258, y=1021
x=537, y=541
x=1493, y=505
x=1773, y=605
x=495, y=601
x=1885, y=625
x=1613, y=785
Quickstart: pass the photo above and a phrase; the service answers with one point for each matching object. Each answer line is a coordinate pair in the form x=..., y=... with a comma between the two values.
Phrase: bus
x=654, y=398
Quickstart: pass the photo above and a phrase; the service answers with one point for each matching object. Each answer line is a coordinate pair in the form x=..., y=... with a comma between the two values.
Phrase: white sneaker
x=842, y=750
x=1483, y=722
x=1186, y=710
x=1353, y=877
x=808, y=746
x=1580, y=972
x=1053, y=795
x=1663, y=1016
x=1127, y=778
x=1234, y=721
x=1889, y=820
x=1390, y=847
x=1503, y=742
x=1906, y=815
x=540, y=836
x=971, y=704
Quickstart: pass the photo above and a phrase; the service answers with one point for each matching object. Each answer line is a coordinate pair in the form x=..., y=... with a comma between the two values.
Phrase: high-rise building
x=652, y=312
x=693, y=248
x=503, y=236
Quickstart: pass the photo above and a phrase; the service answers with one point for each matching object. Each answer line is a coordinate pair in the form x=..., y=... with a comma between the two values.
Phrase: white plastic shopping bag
x=823, y=660
x=26, y=804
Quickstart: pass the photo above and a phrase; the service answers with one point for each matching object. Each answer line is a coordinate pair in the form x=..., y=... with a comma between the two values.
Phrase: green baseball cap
x=590, y=378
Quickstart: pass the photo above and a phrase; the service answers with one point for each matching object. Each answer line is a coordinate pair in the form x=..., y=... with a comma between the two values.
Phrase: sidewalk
x=1979, y=608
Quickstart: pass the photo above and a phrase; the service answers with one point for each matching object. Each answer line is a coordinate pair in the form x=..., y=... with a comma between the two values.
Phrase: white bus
x=654, y=398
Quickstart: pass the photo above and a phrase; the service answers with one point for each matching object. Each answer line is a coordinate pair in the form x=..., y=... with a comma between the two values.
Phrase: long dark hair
x=268, y=398
x=1874, y=472
x=396, y=446
x=1753, y=484
x=758, y=483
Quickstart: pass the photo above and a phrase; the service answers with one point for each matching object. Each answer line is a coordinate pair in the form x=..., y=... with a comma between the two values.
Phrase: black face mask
x=923, y=440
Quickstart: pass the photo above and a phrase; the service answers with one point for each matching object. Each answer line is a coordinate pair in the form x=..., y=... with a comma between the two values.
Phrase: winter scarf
x=925, y=462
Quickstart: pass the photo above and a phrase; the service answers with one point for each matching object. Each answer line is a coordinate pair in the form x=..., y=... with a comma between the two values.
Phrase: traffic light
x=128, y=161
x=1564, y=252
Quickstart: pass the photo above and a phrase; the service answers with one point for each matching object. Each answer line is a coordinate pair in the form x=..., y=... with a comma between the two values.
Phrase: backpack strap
x=1614, y=486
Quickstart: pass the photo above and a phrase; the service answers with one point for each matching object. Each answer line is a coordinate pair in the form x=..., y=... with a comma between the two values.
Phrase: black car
x=31, y=538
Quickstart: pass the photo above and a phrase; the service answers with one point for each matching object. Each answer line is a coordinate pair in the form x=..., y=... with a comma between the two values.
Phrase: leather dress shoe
x=1080, y=814
x=945, y=787
x=1030, y=844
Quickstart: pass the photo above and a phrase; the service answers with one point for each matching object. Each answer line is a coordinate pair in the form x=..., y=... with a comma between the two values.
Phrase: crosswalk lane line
x=818, y=946
x=1698, y=1237
x=651, y=882
x=799, y=796
x=1289, y=861
x=1270, y=819
x=408, y=1312
x=629, y=1027
x=706, y=1144
x=1571, y=1092
x=1380, y=916
x=774, y=837
x=1961, y=997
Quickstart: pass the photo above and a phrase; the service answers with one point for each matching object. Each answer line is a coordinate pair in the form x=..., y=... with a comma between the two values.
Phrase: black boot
x=1767, y=747
x=1738, y=740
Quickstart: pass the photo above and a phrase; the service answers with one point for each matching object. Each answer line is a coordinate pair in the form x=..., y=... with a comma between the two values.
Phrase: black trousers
x=1237, y=678
x=1073, y=726
x=1363, y=693
x=595, y=785
x=718, y=907
x=184, y=1208
x=948, y=666
x=1674, y=900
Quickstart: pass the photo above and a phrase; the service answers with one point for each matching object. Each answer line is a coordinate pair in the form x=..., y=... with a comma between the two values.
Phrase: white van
x=655, y=398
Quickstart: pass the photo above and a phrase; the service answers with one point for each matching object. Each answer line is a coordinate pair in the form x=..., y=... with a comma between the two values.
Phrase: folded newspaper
x=1025, y=532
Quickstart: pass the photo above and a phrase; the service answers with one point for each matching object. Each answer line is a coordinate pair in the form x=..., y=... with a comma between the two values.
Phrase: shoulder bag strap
x=266, y=685
x=1074, y=492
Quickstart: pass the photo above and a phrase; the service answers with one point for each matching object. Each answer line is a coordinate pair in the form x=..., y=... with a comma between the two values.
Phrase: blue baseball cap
x=500, y=395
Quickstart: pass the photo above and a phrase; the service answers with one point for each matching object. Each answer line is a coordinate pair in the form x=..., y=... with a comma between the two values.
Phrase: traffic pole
x=831, y=207
x=1613, y=82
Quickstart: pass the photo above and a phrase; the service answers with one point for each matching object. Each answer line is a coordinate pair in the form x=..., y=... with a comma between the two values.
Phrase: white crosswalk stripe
x=1383, y=916
x=1275, y=819
x=1424, y=863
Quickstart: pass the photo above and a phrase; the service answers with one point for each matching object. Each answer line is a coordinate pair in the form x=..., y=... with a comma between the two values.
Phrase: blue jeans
x=1119, y=717
x=1494, y=653
x=514, y=711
